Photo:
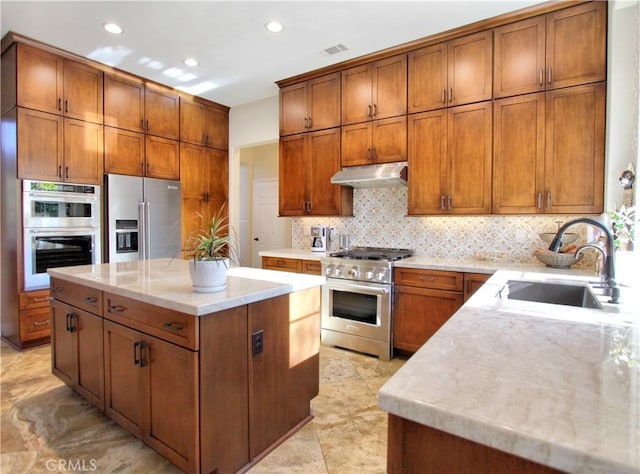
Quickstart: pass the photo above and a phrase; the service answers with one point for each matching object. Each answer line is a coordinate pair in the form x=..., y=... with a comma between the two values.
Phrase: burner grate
x=374, y=253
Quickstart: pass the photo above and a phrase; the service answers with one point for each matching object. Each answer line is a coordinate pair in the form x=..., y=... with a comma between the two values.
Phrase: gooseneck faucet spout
x=609, y=272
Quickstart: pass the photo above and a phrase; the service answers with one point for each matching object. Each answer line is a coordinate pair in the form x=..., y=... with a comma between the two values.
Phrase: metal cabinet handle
x=60, y=170
x=310, y=122
x=60, y=104
x=143, y=346
x=66, y=171
x=443, y=98
x=70, y=326
x=425, y=278
x=40, y=300
x=116, y=309
x=375, y=109
x=173, y=326
x=549, y=200
x=450, y=94
x=57, y=289
x=41, y=323
x=147, y=126
x=369, y=113
x=549, y=76
x=141, y=124
x=91, y=299
x=539, y=201
x=541, y=77
x=442, y=202
x=449, y=202
x=66, y=106
x=136, y=359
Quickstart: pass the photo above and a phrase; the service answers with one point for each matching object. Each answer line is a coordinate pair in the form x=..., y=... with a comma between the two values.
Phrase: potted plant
x=210, y=250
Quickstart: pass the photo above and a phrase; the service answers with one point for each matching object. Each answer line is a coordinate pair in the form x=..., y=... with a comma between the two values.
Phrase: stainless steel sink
x=553, y=293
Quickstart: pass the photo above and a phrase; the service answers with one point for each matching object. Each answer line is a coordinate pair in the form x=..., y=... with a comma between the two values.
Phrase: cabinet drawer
x=76, y=295
x=34, y=323
x=312, y=267
x=172, y=326
x=34, y=299
x=436, y=279
x=283, y=264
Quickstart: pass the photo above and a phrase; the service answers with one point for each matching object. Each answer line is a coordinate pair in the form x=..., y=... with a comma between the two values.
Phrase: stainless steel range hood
x=384, y=175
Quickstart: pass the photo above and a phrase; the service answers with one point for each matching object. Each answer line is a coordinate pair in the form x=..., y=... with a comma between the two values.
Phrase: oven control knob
x=369, y=275
x=381, y=275
x=338, y=270
x=353, y=272
x=328, y=270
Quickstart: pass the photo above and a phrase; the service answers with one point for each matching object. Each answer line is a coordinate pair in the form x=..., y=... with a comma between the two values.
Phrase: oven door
x=358, y=308
x=42, y=209
x=51, y=248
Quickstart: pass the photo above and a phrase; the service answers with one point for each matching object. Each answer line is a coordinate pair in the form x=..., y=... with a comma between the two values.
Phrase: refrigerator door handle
x=142, y=228
x=147, y=231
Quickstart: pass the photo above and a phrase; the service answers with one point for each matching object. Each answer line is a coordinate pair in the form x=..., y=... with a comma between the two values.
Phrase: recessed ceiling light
x=191, y=62
x=112, y=28
x=274, y=26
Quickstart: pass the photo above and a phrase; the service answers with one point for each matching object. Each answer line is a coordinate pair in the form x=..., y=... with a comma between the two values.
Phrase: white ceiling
x=228, y=38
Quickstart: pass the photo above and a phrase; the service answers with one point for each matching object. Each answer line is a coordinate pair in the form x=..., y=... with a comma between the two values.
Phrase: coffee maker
x=318, y=238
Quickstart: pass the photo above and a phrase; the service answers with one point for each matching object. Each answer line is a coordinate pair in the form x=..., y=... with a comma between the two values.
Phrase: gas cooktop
x=373, y=253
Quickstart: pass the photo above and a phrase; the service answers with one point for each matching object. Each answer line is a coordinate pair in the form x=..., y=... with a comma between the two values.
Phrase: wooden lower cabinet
x=76, y=350
x=206, y=400
x=416, y=448
x=151, y=389
x=424, y=300
x=295, y=265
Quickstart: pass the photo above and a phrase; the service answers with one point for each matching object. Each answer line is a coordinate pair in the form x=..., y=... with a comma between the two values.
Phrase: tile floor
x=43, y=424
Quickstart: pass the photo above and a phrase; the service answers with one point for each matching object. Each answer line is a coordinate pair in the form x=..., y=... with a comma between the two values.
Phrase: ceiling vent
x=336, y=49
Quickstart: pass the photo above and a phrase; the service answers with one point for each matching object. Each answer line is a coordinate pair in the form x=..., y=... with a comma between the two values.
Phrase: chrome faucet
x=608, y=270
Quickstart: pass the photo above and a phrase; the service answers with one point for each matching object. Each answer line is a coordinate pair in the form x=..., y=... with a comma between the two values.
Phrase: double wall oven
x=357, y=299
x=61, y=227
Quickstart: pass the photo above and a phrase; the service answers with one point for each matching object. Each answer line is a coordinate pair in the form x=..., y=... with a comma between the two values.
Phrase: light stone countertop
x=165, y=282
x=304, y=254
x=544, y=382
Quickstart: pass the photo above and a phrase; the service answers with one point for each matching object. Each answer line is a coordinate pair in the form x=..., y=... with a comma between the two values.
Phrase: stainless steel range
x=357, y=299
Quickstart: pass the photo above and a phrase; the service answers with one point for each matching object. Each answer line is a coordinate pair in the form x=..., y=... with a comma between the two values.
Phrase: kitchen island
x=517, y=386
x=211, y=381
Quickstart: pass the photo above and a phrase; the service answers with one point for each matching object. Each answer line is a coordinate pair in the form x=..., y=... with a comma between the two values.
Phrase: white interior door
x=270, y=232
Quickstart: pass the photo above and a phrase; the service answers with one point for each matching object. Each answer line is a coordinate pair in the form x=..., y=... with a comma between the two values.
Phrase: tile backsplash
x=380, y=220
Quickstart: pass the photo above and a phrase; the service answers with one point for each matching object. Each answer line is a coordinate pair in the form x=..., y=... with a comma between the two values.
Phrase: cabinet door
x=63, y=342
x=469, y=139
x=191, y=122
x=125, y=392
x=470, y=64
x=123, y=102
x=574, y=168
x=577, y=45
x=123, y=152
x=473, y=282
x=427, y=78
x=419, y=313
x=162, y=112
x=356, y=95
x=389, y=140
x=83, y=92
x=389, y=87
x=40, y=145
x=216, y=128
x=356, y=144
x=519, y=55
x=162, y=158
x=195, y=179
x=292, y=175
x=427, y=156
x=293, y=109
x=34, y=324
x=171, y=421
x=40, y=77
x=323, y=102
x=90, y=375
x=518, y=154
x=83, y=152
x=324, y=162
x=218, y=171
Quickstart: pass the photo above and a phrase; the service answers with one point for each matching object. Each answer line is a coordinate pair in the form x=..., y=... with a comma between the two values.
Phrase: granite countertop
x=165, y=282
x=304, y=254
x=545, y=382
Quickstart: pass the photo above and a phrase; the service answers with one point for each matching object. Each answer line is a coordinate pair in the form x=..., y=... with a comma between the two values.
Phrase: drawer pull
x=424, y=278
x=174, y=326
x=91, y=299
x=116, y=309
x=41, y=323
x=281, y=263
x=40, y=299
x=57, y=289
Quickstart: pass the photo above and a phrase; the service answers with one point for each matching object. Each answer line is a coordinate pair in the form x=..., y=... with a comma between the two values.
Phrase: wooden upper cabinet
x=574, y=152
x=40, y=145
x=577, y=45
x=520, y=58
x=452, y=73
x=311, y=105
x=380, y=141
x=123, y=152
x=561, y=49
x=201, y=124
x=161, y=112
x=518, y=154
x=375, y=91
x=124, y=102
x=49, y=83
x=162, y=158
x=83, y=152
x=450, y=161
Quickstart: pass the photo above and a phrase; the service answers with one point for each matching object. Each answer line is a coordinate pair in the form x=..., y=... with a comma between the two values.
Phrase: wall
x=380, y=214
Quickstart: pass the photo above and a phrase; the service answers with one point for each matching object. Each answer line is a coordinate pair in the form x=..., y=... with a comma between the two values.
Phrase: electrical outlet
x=257, y=342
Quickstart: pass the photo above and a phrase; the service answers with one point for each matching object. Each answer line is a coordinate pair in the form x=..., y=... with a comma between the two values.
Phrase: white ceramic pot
x=208, y=276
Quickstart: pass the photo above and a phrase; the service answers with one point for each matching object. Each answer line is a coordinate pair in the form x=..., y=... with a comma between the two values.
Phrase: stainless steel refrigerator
x=143, y=218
